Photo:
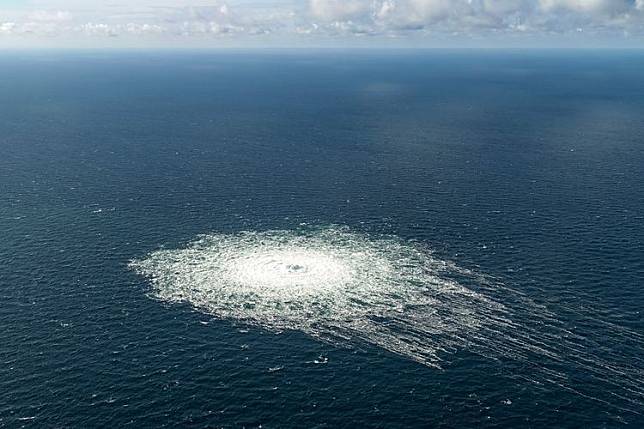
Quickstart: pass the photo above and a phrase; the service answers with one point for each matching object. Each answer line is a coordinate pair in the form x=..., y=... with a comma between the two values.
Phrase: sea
x=322, y=239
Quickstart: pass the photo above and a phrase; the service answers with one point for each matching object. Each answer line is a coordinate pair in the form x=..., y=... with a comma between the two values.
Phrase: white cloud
x=479, y=17
x=339, y=10
x=141, y=29
x=310, y=20
x=7, y=27
x=586, y=6
x=50, y=16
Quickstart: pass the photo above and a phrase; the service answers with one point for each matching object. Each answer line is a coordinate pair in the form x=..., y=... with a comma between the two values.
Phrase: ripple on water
x=330, y=283
x=346, y=287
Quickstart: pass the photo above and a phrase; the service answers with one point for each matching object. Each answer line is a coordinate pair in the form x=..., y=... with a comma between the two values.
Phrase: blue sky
x=339, y=23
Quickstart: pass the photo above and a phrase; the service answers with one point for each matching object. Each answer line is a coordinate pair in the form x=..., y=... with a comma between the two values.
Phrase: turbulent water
x=330, y=283
x=327, y=239
x=345, y=288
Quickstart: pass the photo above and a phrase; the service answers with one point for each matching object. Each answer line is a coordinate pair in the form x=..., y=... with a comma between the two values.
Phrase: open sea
x=329, y=239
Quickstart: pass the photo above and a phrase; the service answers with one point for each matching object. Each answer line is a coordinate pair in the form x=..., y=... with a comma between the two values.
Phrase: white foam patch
x=349, y=288
x=331, y=283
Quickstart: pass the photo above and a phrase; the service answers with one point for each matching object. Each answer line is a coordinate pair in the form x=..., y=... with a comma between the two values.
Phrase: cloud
x=50, y=16
x=587, y=6
x=478, y=18
x=7, y=28
x=296, y=21
x=339, y=10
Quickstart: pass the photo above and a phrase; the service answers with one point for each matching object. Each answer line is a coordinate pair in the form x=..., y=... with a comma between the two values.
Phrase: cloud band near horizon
x=292, y=22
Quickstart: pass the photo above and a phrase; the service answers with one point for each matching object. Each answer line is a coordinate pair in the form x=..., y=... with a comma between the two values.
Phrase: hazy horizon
x=189, y=24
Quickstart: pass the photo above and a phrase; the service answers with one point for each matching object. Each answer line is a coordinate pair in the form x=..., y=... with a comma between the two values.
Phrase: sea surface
x=475, y=221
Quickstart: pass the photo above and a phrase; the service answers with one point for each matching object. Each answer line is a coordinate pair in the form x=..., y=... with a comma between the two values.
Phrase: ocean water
x=327, y=239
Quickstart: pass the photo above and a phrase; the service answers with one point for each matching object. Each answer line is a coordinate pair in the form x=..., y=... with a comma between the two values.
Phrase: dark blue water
x=527, y=168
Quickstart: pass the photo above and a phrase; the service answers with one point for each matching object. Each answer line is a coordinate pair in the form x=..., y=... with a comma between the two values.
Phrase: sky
x=321, y=23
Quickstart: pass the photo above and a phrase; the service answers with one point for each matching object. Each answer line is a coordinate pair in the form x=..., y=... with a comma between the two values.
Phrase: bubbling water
x=290, y=269
x=348, y=288
x=330, y=283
